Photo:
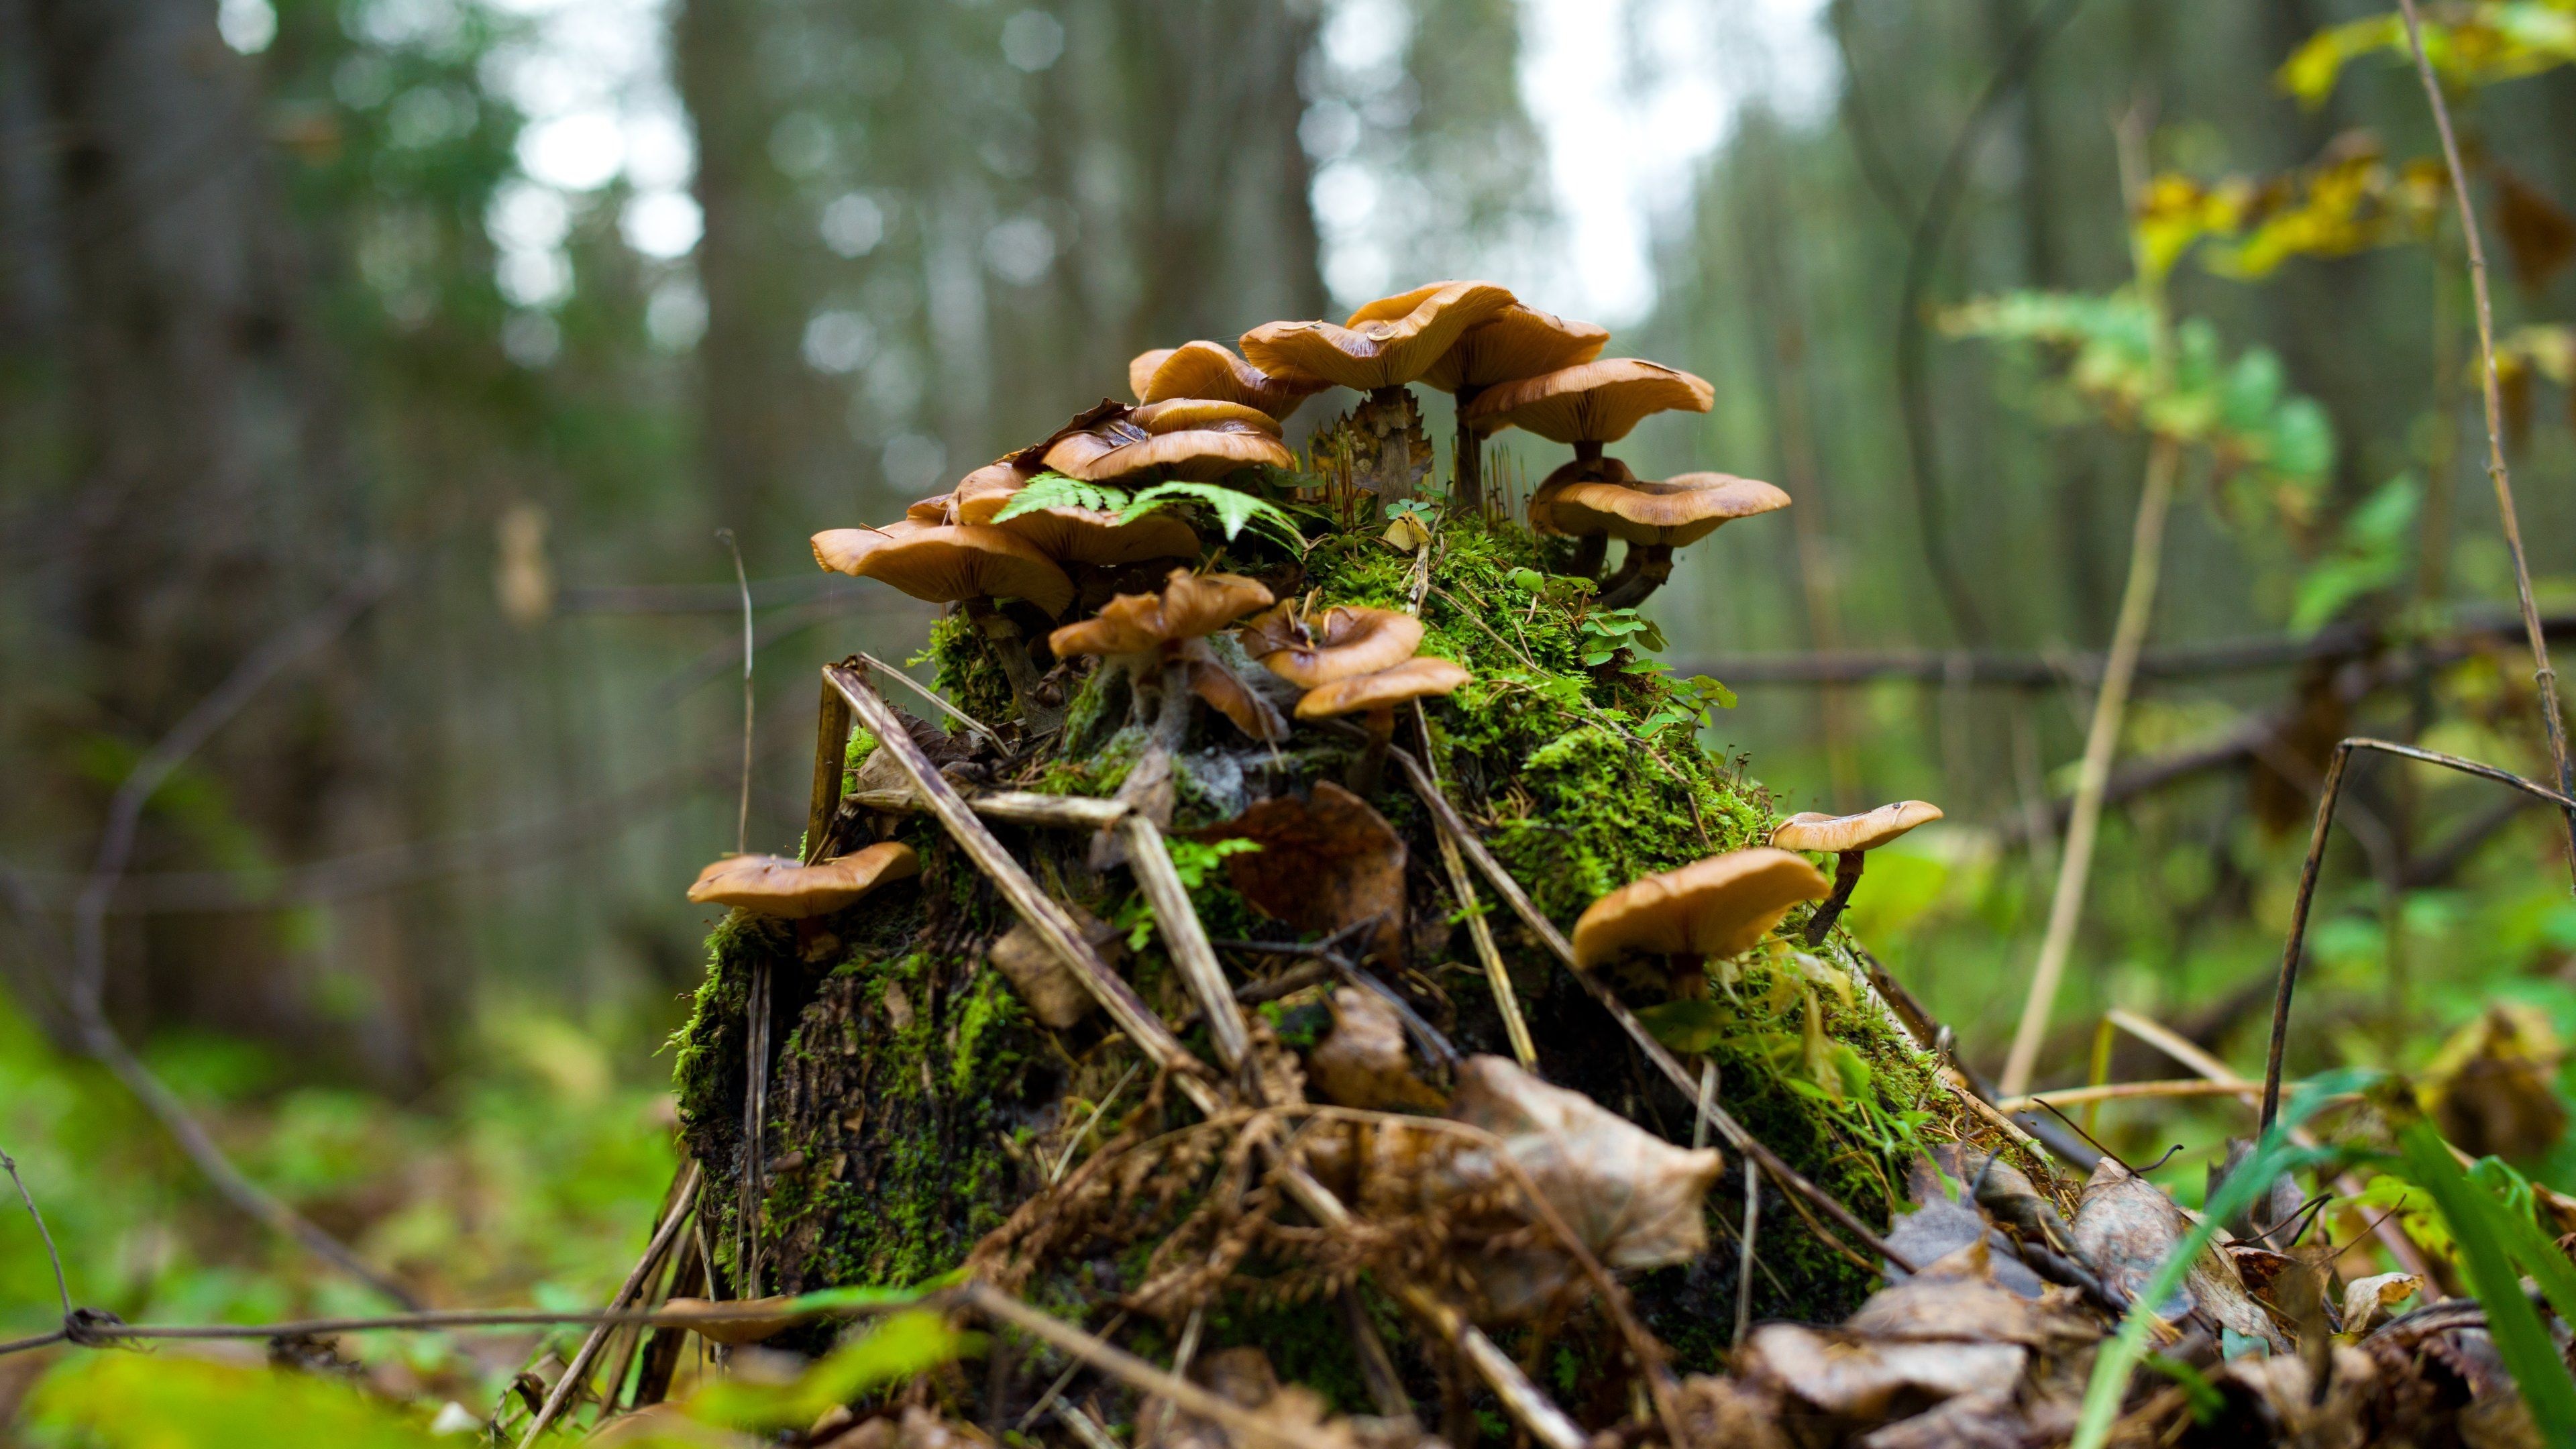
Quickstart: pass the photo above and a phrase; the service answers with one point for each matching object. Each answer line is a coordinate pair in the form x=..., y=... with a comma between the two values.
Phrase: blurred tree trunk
x=212, y=507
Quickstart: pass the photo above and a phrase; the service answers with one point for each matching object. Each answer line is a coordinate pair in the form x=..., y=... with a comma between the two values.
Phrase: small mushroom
x=1211, y=370
x=1157, y=638
x=1095, y=538
x=1180, y=414
x=1381, y=347
x=1374, y=697
x=773, y=885
x=1349, y=639
x=1594, y=545
x=1848, y=838
x=989, y=489
x=1721, y=906
x=948, y=563
x=1120, y=449
x=1655, y=519
x=1591, y=403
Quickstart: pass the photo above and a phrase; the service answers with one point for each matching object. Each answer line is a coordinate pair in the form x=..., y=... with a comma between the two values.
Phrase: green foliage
x=897, y=1347
x=157, y=1401
x=1607, y=631
x=1233, y=507
x=1192, y=861
x=2239, y=410
x=2371, y=553
x=2469, y=44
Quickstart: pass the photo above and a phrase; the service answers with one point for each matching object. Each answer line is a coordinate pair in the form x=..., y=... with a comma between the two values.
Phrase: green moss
x=964, y=667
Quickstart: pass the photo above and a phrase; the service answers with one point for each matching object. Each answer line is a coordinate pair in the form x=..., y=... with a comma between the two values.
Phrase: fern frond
x=1055, y=490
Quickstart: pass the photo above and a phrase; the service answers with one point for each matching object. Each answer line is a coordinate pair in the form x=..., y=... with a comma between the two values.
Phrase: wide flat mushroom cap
x=1095, y=536
x=1195, y=454
x=1177, y=414
x=1813, y=830
x=773, y=885
x=1211, y=370
x=1679, y=511
x=1520, y=342
x=988, y=490
x=1541, y=508
x=1721, y=906
x=1350, y=639
x=1190, y=606
x=964, y=561
x=1378, y=351
x=843, y=550
x=1420, y=677
x=1591, y=402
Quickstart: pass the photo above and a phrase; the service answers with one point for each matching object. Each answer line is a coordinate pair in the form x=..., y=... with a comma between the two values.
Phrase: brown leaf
x=1225, y=691
x=2285, y=1386
x=1362, y=1063
x=773, y=1318
x=1243, y=1376
x=1721, y=1413
x=2539, y=236
x=1631, y=1197
x=1325, y=862
x=1957, y=1299
x=2125, y=1226
x=1862, y=1380
x=2366, y=1301
x=1054, y=995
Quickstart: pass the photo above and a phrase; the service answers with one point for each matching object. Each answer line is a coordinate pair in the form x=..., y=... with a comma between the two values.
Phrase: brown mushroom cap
x=1520, y=342
x=988, y=490
x=773, y=885
x=1419, y=677
x=1197, y=454
x=1211, y=370
x=1813, y=830
x=1191, y=606
x=843, y=550
x=942, y=509
x=1542, y=499
x=1177, y=414
x=1378, y=350
x=946, y=564
x=1720, y=906
x=1683, y=510
x=1095, y=536
x=1349, y=639
x=1591, y=402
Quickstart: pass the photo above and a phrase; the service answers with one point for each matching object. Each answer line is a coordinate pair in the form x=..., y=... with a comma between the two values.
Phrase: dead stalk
x=683, y=1196
x=1524, y=1049
x=1186, y=939
x=2544, y=678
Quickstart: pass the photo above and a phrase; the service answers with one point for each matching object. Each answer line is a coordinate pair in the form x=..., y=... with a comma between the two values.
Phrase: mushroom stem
x=1586, y=450
x=1011, y=648
x=1847, y=866
x=1640, y=574
x=1589, y=551
x=1686, y=977
x=1467, y=488
x=1371, y=765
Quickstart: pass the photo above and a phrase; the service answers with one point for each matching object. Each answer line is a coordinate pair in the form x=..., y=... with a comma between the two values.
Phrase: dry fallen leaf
x=2539, y=235
x=2125, y=1226
x=1054, y=996
x=772, y=1318
x=1863, y=1380
x=2366, y=1301
x=2492, y=1089
x=1631, y=1197
x=1362, y=1062
x=1956, y=1298
x=1325, y=862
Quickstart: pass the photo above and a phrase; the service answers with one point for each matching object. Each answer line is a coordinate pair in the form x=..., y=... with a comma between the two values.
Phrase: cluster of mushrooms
x=1089, y=585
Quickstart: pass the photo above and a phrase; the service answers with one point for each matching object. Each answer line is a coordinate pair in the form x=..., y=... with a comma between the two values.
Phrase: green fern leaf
x=1054, y=490
x=1234, y=510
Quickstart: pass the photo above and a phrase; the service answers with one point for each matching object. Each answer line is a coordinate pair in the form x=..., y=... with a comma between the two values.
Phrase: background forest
x=377, y=375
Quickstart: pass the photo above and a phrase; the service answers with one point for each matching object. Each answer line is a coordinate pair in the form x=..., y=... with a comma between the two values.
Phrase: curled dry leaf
x=1957, y=1299
x=1225, y=691
x=1362, y=1062
x=1866, y=1381
x=2366, y=1301
x=1631, y=1197
x=1053, y=995
x=2125, y=1227
x=2285, y=1387
x=1325, y=862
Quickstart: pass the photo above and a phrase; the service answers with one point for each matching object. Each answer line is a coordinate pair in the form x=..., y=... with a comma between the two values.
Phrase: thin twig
x=742, y=816
x=2127, y=1092
x=62, y=1286
x=1727, y=1127
x=682, y=1197
x=2543, y=677
x=1744, y=1256
x=932, y=695
x=1185, y=939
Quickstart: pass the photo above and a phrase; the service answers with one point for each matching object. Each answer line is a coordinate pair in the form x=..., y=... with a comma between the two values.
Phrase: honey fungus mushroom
x=790, y=890
x=1348, y=639
x=1199, y=443
x=1518, y=342
x=962, y=563
x=1374, y=697
x=1205, y=369
x=1158, y=642
x=1654, y=518
x=1848, y=838
x=1717, y=907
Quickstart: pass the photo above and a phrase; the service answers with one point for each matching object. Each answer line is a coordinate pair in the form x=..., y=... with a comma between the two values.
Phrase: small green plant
x=1191, y=861
x=1234, y=508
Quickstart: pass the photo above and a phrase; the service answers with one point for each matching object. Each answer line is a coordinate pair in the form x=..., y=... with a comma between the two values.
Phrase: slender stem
x=2544, y=678
x=1480, y=931
x=1744, y=1253
x=684, y=1194
x=2101, y=742
x=742, y=815
x=1847, y=869
x=831, y=749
